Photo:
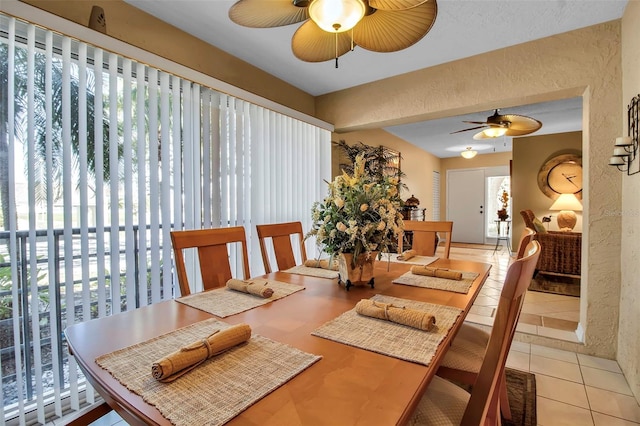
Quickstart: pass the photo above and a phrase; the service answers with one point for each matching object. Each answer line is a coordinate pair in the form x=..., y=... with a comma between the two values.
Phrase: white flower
x=361, y=212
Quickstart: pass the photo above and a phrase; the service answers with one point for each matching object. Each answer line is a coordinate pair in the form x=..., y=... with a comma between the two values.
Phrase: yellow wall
x=135, y=27
x=629, y=332
x=417, y=164
x=529, y=154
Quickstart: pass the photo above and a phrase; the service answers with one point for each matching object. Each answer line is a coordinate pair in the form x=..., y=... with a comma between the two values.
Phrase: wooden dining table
x=348, y=386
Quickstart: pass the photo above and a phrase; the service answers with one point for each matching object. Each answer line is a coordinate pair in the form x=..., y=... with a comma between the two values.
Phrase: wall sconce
x=468, y=153
x=626, y=147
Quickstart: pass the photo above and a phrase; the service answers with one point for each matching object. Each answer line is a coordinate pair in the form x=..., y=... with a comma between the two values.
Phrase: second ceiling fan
x=503, y=124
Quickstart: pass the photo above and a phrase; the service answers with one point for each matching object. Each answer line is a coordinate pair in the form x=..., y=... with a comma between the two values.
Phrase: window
x=102, y=157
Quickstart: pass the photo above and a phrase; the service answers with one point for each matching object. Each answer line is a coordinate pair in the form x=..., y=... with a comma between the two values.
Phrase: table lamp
x=568, y=204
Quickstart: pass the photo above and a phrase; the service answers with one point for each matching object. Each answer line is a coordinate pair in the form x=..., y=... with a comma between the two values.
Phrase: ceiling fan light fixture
x=469, y=153
x=495, y=132
x=336, y=16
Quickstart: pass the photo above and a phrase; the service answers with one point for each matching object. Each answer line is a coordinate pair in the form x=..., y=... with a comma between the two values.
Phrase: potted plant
x=359, y=219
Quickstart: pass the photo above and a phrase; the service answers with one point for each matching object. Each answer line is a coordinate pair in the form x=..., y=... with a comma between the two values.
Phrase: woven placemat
x=415, y=260
x=387, y=338
x=216, y=391
x=223, y=302
x=437, y=283
x=313, y=272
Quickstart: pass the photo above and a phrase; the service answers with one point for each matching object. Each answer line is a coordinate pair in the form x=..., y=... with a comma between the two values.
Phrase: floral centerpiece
x=359, y=216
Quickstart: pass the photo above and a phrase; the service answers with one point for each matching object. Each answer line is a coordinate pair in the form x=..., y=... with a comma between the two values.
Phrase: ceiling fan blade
x=267, y=14
x=311, y=44
x=488, y=124
x=395, y=4
x=521, y=125
x=466, y=130
x=390, y=31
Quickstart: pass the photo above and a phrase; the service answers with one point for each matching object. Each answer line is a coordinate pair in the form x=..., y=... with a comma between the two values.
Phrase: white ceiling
x=462, y=28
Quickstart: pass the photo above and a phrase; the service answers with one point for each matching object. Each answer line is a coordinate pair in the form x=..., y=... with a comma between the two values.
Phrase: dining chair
x=213, y=255
x=463, y=359
x=445, y=403
x=425, y=236
x=280, y=234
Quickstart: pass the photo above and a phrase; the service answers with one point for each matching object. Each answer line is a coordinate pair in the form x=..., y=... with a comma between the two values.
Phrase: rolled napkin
x=321, y=263
x=189, y=357
x=436, y=272
x=407, y=254
x=250, y=287
x=398, y=314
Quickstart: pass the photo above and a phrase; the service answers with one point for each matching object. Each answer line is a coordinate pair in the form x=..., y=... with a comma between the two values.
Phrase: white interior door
x=465, y=205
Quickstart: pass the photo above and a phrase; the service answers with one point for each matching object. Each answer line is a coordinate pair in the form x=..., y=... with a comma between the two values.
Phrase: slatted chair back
x=425, y=236
x=484, y=406
x=280, y=235
x=213, y=255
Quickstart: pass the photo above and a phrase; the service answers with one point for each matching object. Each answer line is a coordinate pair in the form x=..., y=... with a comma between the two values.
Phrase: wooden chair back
x=425, y=236
x=525, y=238
x=280, y=234
x=484, y=405
x=213, y=255
x=528, y=217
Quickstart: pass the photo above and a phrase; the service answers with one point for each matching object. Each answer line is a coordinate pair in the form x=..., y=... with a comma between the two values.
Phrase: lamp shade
x=623, y=141
x=616, y=161
x=468, y=153
x=566, y=202
x=336, y=16
x=619, y=151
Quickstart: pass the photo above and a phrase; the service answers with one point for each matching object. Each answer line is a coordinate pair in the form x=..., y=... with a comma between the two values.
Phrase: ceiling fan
x=376, y=25
x=503, y=124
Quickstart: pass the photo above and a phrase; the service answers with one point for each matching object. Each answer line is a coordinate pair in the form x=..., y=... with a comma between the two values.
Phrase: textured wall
x=629, y=332
x=585, y=62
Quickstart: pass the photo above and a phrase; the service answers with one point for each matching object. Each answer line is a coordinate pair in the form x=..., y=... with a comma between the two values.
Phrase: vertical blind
x=104, y=157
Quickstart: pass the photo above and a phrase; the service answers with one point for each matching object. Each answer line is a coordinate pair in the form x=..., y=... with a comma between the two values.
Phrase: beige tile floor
x=543, y=314
x=572, y=389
